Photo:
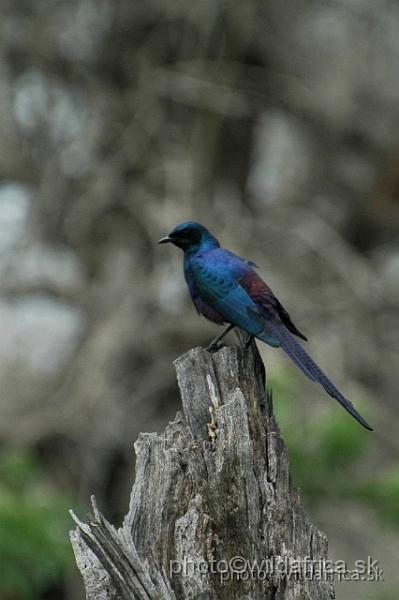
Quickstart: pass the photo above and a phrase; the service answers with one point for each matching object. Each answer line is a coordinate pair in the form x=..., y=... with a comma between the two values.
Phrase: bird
x=226, y=289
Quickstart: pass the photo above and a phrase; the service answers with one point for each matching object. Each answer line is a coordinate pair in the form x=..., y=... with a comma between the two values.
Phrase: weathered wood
x=212, y=487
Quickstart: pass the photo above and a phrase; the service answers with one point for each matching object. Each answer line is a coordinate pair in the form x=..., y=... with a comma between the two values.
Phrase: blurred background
x=274, y=123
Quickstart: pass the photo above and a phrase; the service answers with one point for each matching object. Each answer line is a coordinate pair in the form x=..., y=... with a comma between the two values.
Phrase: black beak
x=165, y=240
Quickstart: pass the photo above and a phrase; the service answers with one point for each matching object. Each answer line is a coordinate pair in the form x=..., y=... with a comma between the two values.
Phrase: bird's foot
x=216, y=344
x=214, y=347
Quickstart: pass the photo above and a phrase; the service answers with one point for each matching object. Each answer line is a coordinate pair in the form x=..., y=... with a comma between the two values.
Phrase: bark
x=212, y=512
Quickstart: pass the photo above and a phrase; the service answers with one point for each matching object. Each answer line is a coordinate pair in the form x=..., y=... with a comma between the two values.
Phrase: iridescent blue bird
x=226, y=289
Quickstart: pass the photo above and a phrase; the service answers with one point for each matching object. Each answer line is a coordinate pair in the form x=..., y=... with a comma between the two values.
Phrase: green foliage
x=34, y=546
x=383, y=493
x=323, y=455
x=322, y=449
x=329, y=457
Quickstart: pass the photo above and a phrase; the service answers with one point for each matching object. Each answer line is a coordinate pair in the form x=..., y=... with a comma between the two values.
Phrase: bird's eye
x=190, y=234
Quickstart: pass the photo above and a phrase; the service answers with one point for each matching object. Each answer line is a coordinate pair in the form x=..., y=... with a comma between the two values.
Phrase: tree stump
x=212, y=513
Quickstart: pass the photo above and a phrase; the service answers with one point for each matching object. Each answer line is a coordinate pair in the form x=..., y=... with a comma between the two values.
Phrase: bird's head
x=191, y=236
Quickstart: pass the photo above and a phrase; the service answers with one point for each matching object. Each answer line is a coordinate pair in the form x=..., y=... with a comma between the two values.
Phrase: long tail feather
x=307, y=365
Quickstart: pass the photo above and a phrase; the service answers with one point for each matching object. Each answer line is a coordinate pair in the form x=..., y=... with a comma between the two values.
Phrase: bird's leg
x=215, y=344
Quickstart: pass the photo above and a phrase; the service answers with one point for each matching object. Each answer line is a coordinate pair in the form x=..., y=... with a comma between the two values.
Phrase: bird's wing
x=241, y=271
x=262, y=294
x=216, y=277
x=230, y=285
